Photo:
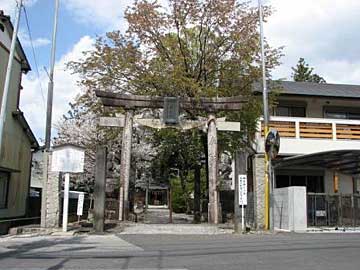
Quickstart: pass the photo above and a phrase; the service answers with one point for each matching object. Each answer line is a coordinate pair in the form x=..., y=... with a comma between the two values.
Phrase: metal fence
x=333, y=210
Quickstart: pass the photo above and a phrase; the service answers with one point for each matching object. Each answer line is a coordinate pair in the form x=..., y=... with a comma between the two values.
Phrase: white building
x=319, y=125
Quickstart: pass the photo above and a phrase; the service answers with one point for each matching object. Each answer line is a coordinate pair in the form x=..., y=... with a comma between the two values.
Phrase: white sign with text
x=242, y=189
x=80, y=204
x=68, y=159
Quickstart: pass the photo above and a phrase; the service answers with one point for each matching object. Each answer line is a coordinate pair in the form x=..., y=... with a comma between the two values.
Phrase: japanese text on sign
x=242, y=189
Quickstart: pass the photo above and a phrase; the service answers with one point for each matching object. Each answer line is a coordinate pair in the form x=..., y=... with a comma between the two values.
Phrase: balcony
x=311, y=135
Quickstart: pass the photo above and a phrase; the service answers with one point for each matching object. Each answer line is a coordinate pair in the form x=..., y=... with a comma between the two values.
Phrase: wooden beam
x=157, y=123
x=112, y=121
x=104, y=94
x=136, y=101
x=228, y=126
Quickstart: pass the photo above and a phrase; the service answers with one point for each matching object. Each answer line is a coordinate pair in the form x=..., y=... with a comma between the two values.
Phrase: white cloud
x=9, y=6
x=37, y=42
x=106, y=14
x=65, y=89
x=323, y=32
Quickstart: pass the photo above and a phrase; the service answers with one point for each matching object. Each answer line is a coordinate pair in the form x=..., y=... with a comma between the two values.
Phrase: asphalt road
x=277, y=252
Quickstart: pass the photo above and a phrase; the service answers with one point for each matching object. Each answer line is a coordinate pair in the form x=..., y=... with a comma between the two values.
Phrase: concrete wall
x=290, y=212
x=16, y=150
x=292, y=146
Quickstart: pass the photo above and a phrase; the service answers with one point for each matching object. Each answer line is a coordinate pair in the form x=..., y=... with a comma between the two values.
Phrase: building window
x=4, y=189
x=290, y=109
x=342, y=113
x=313, y=184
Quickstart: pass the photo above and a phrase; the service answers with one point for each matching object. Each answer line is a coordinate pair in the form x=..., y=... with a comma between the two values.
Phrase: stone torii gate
x=210, y=105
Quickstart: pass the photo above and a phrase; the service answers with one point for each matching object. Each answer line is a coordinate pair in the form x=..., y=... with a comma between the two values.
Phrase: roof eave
x=25, y=65
x=19, y=115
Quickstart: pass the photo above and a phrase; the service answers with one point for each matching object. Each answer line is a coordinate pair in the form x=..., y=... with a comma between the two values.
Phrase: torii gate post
x=214, y=208
x=125, y=165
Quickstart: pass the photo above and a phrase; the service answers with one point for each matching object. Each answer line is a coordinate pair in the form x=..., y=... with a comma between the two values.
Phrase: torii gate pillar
x=125, y=165
x=214, y=207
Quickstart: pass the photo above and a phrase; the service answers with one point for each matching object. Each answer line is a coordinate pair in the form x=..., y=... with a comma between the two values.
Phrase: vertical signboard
x=80, y=204
x=242, y=189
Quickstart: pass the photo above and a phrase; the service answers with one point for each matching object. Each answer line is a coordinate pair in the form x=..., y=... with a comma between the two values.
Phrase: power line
x=34, y=55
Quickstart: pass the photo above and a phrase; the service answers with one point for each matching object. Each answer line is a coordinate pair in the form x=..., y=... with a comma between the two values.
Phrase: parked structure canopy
x=344, y=161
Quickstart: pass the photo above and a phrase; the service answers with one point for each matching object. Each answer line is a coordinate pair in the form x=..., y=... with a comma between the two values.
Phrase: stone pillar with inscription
x=51, y=199
x=99, y=189
x=259, y=190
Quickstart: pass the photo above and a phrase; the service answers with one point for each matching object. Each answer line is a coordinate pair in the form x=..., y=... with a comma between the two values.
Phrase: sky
x=323, y=32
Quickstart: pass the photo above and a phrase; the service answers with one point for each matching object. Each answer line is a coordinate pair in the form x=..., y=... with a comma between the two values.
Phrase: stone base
x=211, y=213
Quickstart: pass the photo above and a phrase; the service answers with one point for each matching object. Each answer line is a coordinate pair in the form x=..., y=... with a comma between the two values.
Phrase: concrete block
x=290, y=211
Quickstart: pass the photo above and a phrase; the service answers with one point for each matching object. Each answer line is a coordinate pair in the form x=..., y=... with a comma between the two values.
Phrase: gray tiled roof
x=314, y=89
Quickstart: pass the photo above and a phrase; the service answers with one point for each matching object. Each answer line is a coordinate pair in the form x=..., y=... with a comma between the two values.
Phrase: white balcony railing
x=314, y=128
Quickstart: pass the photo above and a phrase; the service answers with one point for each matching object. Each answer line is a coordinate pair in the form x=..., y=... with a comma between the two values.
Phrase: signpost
x=67, y=158
x=242, y=197
x=80, y=205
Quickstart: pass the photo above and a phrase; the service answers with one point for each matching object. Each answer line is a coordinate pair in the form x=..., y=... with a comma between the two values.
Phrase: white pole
x=66, y=202
x=263, y=65
x=44, y=196
x=51, y=80
x=242, y=219
x=4, y=100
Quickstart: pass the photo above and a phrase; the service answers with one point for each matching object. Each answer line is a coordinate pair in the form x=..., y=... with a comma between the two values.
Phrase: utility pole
x=48, y=118
x=268, y=187
x=4, y=100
